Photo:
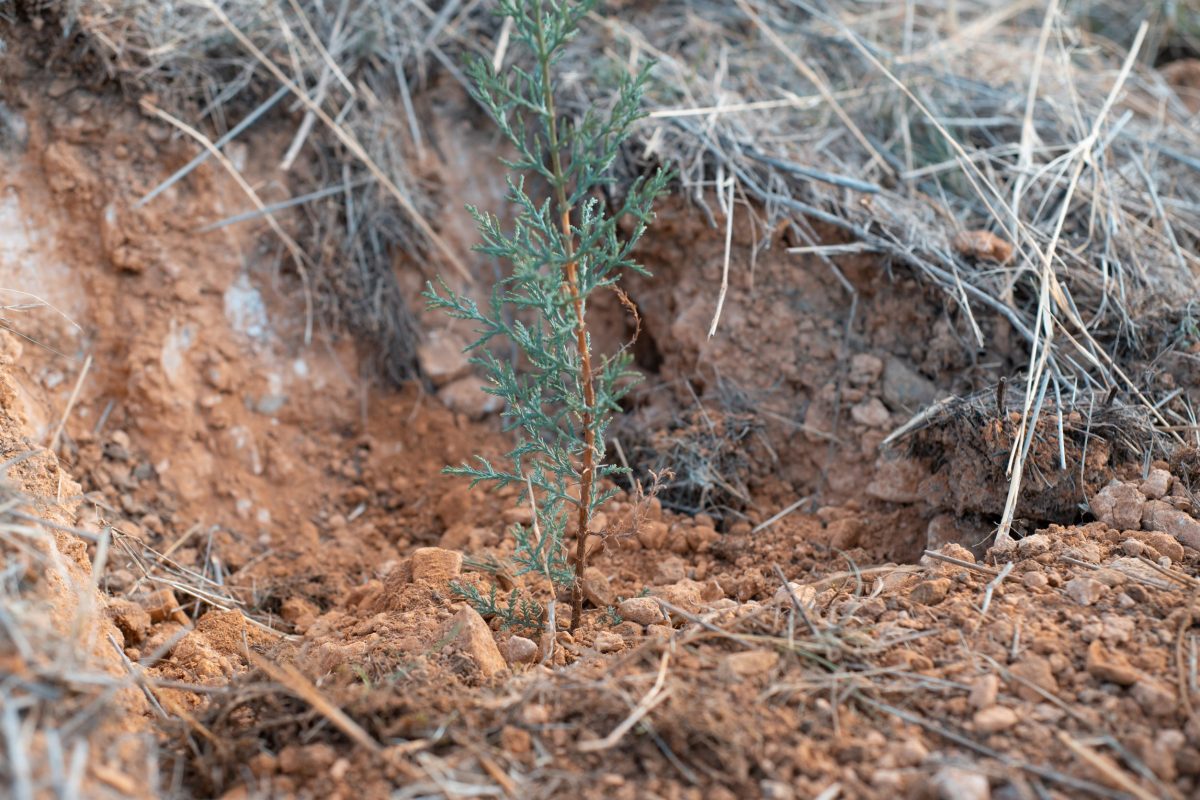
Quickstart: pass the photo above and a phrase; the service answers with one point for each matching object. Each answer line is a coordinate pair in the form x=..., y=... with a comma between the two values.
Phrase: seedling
x=562, y=248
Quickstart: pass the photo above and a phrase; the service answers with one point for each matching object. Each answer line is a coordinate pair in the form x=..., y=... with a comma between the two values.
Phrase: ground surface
x=272, y=505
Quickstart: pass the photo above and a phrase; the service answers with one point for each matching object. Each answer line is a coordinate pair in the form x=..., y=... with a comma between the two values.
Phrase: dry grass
x=55, y=691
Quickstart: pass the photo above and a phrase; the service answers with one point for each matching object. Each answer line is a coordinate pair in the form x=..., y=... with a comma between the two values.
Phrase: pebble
x=608, y=642
x=1036, y=670
x=472, y=635
x=994, y=719
x=1085, y=591
x=1108, y=665
x=467, y=396
x=930, y=593
x=954, y=783
x=871, y=412
x=1157, y=484
x=441, y=357
x=521, y=650
x=1166, y=518
x=642, y=610
x=803, y=594
x=751, y=663
x=1155, y=698
x=1034, y=580
x=596, y=588
x=984, y=691
x=1119, y=505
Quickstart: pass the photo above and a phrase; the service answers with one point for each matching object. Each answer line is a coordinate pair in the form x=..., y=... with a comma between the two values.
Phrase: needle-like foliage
x=562, y=247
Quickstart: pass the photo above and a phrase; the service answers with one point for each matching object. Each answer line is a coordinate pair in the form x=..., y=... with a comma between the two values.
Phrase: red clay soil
x=285, y=546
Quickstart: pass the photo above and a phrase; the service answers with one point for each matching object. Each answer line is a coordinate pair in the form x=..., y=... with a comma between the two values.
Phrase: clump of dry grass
x=56, y=692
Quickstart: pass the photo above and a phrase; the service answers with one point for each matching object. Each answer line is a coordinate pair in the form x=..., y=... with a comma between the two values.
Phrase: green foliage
x=517, y=612
x=540, y=305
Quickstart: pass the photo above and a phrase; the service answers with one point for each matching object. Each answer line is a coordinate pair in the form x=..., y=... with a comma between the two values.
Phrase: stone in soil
x=1156, y=485
x=642, y=610
x=1109, y=665
x=994, y=719
x=520, y=650
x=1161, y=516
x=930, y=593
x=1119, y=505
x=473, y=637
x=608, y=642
x=596, y=589
x=441, y=357
x=750, y=663
x=467, y=396
x=955, y=783
x=1085, y=591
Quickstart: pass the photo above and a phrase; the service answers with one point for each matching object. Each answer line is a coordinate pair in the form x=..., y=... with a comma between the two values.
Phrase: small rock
x=1107, y=665
x=1119, y=505
x=1160, y=516
x=436, y=565
x=132, y=620
x=608, y=642
x=930, y=593
x=871, y=412
x=903, y=388
x=684, y=595
x=473, y=637
x=441, y=357
x=1156, y=485
x=1132, y=548
x=865, y=369
x=984, y=691
x=1034, y=580
x=954, y=783
x=994, y=719
x=1085, y=591
x=520, y=650
x=750, y=663
x=642, y=610
x=653, y=534
x=1033, y=546
x=897, y=480
x=1165, y=753
x=1163, y=543
x=467, y=396
x=804, y=594
x=596, y=589
x=1088, y=552
x=163, y=605
x=671, y=569
x=1036, y=670
x=700, y=538
x=1155, y=698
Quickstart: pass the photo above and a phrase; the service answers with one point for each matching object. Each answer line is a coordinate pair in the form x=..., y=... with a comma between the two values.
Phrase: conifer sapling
x=562, y=248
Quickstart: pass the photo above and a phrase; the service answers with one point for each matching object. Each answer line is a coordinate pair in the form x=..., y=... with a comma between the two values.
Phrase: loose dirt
x=284, y=550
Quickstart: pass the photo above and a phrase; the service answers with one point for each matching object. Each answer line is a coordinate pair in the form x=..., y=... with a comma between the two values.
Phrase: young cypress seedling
x=562, y=248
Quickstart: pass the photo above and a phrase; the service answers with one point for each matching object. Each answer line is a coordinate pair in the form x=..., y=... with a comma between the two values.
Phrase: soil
x=285, y=550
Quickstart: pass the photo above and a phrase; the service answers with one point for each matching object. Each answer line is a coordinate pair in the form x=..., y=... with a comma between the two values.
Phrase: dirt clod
x=930, y=593
x=1110, y=665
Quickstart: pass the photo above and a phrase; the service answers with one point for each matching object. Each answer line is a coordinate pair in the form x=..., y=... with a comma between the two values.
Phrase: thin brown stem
x=571, y=284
